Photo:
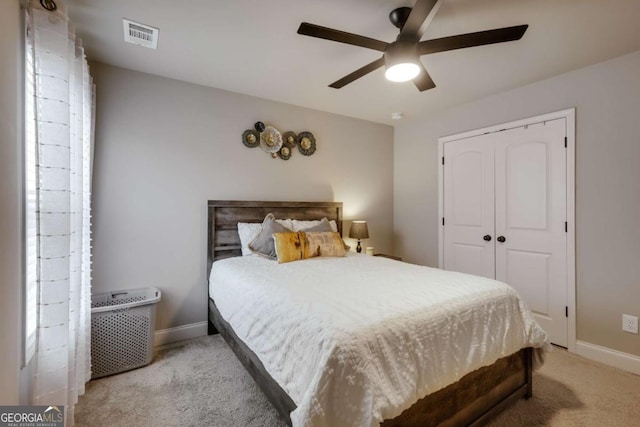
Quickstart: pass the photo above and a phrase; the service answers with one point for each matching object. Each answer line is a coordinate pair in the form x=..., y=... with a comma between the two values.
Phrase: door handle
x=487, y=238
x=501, y=239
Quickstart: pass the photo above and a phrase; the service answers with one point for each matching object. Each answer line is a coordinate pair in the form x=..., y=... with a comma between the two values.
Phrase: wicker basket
x=122, y=326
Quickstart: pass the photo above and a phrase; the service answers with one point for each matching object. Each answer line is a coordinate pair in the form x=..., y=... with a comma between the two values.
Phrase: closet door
x=469, y=206
x=530, y=201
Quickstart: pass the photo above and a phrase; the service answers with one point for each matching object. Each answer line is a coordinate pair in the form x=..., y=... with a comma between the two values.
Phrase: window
x=30, y=197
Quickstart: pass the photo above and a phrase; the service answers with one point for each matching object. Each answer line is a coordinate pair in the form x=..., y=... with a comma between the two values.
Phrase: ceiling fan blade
x=341, y=36
x=480, y=38
x=419, y=19
x=423, y=81
x=363, y=71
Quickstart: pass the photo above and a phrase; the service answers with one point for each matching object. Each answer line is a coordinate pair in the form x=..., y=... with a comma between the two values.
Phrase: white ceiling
x=251, y=47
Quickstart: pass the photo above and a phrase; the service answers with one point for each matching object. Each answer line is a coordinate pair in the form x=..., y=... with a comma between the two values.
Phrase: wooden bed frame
x=472, y=401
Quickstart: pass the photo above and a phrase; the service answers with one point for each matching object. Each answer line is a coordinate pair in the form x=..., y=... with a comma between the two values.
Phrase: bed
x=477, y=393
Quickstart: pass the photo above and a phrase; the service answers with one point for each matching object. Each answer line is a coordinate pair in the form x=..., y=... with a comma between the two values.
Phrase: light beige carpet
x=201, y=383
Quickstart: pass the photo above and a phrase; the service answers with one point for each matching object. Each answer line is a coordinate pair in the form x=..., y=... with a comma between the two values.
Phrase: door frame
x=570, y=119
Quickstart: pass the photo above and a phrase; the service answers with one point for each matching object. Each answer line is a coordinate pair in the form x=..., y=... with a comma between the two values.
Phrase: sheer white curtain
x=59, y=104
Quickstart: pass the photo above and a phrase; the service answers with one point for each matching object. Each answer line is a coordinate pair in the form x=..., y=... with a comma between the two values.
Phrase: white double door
x=505, y=215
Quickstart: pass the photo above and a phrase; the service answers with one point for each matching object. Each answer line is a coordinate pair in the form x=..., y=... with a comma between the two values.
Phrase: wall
x=164, y=147
x=11, y=258
x=607, y=101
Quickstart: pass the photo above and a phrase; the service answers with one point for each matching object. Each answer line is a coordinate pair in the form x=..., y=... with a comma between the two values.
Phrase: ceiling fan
x=401, y=58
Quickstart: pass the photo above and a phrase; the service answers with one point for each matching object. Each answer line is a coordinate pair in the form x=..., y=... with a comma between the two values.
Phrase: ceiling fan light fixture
x=401, y=58
x=401, y=61
x=402, y=72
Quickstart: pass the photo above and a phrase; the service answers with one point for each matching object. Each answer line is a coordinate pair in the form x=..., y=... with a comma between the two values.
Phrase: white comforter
x=357, y=340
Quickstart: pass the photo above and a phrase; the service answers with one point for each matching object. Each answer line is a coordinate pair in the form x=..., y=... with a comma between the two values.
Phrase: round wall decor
x=290, y=139
x=306, y=143
x=251, y=138
x=270, y=140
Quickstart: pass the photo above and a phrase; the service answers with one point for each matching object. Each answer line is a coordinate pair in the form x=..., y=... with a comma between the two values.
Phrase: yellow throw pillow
x=299, y=245
x=291, y=246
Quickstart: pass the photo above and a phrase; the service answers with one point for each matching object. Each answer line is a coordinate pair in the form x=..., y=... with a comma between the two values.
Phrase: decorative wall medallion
x=259, y=126
x=306, y=143
x=290, y=139
x=270, y=140
x=251, y=138
x=284, y=153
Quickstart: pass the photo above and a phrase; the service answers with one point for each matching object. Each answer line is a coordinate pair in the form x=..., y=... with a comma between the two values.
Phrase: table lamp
x=359, y=231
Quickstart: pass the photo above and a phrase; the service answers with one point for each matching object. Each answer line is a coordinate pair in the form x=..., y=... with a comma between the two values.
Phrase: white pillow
x=301, y=225
x=248, y=231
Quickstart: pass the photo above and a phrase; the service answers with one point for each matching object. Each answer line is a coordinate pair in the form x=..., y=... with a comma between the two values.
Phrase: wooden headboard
x=223, y=217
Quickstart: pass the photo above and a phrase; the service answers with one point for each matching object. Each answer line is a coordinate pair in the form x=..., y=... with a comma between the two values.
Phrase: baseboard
x=617, y=359
x=179, y=333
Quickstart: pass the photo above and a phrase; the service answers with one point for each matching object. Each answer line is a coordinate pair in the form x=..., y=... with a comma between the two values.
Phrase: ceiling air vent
x=140, y=34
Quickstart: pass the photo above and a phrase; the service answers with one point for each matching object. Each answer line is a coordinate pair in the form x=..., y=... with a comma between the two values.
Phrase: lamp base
x=358, y=248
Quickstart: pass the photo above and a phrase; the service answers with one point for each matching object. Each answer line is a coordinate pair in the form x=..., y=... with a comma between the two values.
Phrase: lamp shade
x=401, y=61
x=359, y=230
